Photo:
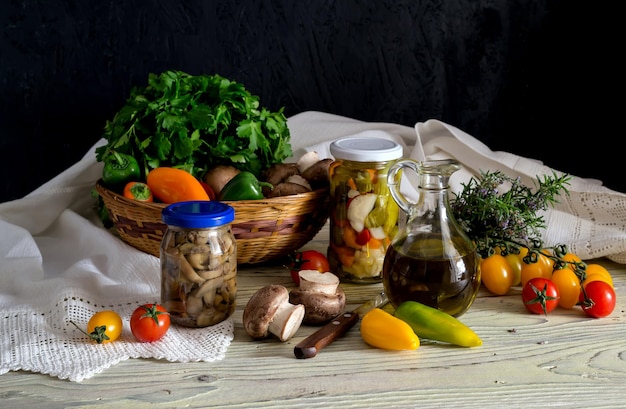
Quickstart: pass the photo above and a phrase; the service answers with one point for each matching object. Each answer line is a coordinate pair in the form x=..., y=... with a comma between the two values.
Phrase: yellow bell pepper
x=382, y=330
x=431, y=323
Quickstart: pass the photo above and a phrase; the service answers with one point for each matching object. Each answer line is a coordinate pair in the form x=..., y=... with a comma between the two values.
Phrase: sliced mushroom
x=269, y=312
x=320, y=293
x=297, y=179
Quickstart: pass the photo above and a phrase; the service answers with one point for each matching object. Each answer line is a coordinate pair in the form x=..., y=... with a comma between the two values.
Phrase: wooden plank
x=564, y=359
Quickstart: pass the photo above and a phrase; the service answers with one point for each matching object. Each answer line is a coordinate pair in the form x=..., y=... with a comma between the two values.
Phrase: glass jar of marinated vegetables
x=363, y=216
x=198, y=263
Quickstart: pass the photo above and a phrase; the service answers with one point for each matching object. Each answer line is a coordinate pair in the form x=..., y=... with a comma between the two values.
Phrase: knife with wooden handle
x=311, y=345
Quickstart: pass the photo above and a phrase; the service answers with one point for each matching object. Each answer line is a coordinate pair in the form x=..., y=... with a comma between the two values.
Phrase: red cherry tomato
x=600, y=299
x=149, y=322
x=307, y=260
x=540, y=295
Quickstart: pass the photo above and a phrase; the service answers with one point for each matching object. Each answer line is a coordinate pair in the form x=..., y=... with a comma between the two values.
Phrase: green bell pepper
x=120, y=168
x=244, y=186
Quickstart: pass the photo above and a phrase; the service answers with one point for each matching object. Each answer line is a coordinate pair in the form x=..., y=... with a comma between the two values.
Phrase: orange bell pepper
x=171, y=185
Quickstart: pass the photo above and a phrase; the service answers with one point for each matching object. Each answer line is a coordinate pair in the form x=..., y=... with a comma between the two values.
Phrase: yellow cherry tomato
x=532, y=270
x=547, y=261
x=569, y=287
x=496, y=274
x=595, y=272
x=570, y=258
x=105, y=326
x=516, y=263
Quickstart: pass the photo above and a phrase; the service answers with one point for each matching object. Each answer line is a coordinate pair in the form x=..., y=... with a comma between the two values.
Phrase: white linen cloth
x=58, y=263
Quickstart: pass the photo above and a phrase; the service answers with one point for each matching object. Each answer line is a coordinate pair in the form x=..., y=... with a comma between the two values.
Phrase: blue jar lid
x=198, y=214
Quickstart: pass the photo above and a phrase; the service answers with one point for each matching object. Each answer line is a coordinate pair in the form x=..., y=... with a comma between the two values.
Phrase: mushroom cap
x=262, y=307
x=319, y=307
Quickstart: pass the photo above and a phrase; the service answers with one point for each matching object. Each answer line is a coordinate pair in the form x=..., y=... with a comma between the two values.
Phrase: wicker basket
x=264, y=229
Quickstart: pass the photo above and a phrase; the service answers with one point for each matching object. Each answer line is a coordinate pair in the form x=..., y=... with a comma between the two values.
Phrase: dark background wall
x=537, y=78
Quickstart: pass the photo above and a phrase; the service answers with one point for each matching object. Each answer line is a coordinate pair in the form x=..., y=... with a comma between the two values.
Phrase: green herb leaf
x=194, y=123
x=499, y=211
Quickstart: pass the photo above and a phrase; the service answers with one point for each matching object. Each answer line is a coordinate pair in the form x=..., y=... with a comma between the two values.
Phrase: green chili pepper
x=244, y=186
x=431, y=323
x=120, y=168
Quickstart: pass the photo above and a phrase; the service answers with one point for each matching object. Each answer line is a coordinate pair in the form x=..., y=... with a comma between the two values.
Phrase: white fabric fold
x=58, y=263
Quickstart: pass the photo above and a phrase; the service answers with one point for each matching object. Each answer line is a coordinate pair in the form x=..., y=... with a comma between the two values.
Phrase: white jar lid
x=365, y=149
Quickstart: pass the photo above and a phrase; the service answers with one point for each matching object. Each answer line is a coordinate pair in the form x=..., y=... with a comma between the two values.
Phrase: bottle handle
x=393, y=181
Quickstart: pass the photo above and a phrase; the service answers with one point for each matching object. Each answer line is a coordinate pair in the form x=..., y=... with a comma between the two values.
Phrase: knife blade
x=336, y=328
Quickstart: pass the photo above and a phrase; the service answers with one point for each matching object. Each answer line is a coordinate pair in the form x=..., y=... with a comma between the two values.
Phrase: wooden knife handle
x=311, y=345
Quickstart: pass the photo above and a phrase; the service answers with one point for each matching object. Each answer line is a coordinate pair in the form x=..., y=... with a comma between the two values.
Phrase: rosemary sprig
x=496, y=210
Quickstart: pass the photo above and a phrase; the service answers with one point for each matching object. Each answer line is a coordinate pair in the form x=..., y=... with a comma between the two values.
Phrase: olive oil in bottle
x=418, y=270
x=430, y=260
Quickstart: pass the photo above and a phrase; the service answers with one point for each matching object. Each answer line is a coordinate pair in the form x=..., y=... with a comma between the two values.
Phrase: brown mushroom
x=317, y=174
x=279, y=172
x=218, y=176
x=321, y=295
x=269, y=312
x=287, y=188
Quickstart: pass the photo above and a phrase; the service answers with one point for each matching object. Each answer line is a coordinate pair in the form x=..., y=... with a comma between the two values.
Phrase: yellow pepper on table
x=382, y=330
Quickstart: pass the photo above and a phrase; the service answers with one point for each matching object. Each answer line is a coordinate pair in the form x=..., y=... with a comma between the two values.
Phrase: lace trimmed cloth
x=45, y=341
x=59, y=265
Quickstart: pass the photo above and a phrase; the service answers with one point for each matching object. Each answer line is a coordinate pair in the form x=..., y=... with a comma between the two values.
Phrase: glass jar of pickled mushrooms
x=198, y=263
x=363, y=215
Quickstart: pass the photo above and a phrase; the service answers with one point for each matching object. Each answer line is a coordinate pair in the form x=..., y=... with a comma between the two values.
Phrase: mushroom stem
x=287, y=321
x=269, y=311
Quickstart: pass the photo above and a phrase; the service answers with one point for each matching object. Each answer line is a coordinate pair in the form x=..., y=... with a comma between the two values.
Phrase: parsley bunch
x=499, y=211
x=196, y=122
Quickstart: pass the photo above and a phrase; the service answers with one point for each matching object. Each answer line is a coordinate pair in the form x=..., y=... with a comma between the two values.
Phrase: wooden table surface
x=528, y=361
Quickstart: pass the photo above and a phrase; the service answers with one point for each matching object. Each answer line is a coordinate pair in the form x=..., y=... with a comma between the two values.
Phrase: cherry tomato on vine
x=496, y=274
x=595, y=272
x=105, y=326
x=149, y=322
x=570, y=258
x=307, y=260
x=534, y=270
x=547, y=261
x=516, y=264
x=540, y=295
x=600, y=300
x=569, y=287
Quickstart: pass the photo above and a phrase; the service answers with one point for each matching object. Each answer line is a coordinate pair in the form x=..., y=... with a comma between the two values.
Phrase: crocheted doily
x=46, y=341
